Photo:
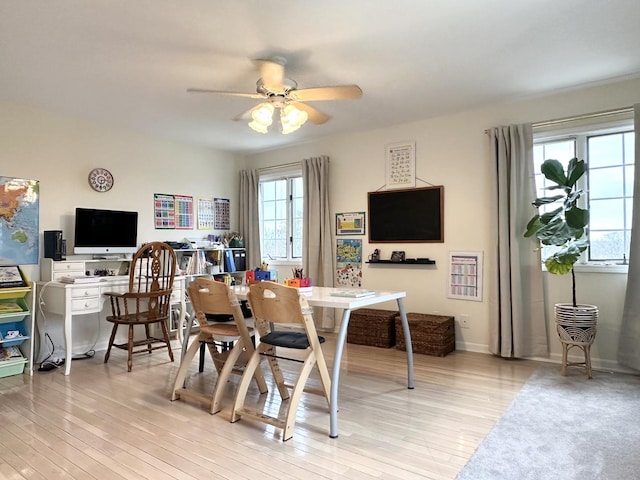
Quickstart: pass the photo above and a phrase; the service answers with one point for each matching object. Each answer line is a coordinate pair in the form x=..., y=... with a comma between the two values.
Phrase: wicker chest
x=430, y=334
x=368, y=326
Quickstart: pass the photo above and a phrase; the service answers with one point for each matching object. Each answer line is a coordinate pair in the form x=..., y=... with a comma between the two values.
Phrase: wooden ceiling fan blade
x=224, y=92
x=338, y=92
x=272, y=74
x=315, y=116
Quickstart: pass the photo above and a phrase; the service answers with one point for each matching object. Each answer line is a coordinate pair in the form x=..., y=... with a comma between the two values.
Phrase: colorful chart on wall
x=19, y=217
x=465, y=276
x=184, y=212
x=164, y=211
x=205, y=213
x=221, y=214
x=349, y=262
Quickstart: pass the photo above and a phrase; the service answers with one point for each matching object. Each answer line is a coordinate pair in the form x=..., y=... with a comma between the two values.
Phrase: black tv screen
x=412, y=215
x=105, y=231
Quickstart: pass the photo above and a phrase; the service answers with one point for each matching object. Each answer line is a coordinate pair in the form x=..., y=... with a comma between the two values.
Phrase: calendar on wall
x=401, y=165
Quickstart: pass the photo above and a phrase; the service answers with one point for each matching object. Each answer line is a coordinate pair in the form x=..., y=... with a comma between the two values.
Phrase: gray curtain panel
x=629, y=343
x=317, y=250
x=249, y=216
x=517, y=324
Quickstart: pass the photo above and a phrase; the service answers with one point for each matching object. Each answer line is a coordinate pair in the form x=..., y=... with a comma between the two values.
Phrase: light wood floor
x=104, y=423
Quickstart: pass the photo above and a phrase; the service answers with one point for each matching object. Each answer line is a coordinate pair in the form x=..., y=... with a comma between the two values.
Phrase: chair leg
x=303, y=375
x=245, y=381
x=184, y=366
x=130, y=349
x=111, y=338
x=223, y=378
x=167, y=340
x=148, y=336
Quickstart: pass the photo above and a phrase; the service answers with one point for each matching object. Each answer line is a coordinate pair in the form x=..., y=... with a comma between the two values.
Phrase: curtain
x=249, y=215
x=629, y=343
x=517, y=324
x=317, y=249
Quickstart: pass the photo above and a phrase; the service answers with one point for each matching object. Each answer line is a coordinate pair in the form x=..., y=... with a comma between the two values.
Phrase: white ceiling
x=128, y=63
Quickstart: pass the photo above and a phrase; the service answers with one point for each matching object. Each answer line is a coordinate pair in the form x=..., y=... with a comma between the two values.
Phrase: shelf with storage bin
x=16, y=348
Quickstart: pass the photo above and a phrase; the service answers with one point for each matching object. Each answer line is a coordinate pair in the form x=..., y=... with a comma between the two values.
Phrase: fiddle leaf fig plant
x=564, y=226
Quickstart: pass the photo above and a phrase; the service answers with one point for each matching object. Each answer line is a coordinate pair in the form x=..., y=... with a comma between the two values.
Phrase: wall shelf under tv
x=406, y=261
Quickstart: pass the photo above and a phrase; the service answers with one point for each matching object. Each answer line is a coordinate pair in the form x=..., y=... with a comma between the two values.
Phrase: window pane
x=606, y=182
x=281, y=189
x=607, y=245
x=268, y=211
x=268, y=191
x=629, y=147
x=628, y=213
x=628, y=180
x=605, y=150
x=606, y=214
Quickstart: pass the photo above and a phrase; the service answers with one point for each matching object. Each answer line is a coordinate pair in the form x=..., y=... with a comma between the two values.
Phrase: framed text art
x=350, y=223
x=465, y=276
x=401, y=165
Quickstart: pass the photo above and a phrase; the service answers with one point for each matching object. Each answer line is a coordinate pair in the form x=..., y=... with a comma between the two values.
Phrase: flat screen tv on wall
x=414, y=215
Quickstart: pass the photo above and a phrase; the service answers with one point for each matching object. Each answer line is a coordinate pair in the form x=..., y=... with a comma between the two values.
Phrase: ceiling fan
x=280, y=93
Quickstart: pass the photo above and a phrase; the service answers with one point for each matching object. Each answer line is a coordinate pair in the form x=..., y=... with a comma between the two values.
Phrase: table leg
x=407, y=342
x=68, y=340
x=335, y=377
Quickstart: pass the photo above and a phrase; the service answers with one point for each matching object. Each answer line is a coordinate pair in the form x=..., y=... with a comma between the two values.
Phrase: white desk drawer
x=68, y=266
x=85, y=292
x=90, y=304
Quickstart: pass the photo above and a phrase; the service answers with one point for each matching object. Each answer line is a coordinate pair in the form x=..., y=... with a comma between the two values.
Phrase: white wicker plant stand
x=576, y=328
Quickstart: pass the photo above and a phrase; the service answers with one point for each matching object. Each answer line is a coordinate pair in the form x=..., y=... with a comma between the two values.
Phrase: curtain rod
x=278, y=167
x=557, y=121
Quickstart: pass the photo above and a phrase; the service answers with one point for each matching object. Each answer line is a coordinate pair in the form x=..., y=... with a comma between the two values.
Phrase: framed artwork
x=11, y=277
x=401, y=165
x=221, y=213
x=350, y=223
x=465, y=276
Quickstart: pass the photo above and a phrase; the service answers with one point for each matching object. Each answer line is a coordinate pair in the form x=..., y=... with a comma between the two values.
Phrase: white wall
x=60, y=152
x=453, y=151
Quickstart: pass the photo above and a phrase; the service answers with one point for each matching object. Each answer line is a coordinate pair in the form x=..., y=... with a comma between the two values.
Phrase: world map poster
x=19, y=217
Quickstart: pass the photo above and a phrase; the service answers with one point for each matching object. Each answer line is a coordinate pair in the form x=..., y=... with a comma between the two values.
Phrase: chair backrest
x=151, y=276
x=210, y=297
x=276, y=303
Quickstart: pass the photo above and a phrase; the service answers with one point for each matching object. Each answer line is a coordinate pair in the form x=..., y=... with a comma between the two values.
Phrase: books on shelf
x=80, y=279
x=352, y=292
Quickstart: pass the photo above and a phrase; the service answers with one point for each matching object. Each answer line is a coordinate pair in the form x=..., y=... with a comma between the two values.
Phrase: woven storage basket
x=430, y=334
x=375, y=328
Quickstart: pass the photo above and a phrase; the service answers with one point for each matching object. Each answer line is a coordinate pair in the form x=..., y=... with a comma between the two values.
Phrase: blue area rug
x=565, y=428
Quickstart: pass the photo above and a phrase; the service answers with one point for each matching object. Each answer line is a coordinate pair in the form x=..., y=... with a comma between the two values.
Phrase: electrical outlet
x=463, y=320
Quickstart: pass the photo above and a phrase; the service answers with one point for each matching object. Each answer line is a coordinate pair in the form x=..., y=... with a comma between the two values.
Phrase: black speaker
x=53, y=244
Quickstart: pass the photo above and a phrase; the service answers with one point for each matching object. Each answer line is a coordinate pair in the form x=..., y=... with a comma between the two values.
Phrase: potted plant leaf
x=564, y=227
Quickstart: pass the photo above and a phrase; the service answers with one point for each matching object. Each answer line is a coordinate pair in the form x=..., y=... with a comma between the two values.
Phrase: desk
x=69, y=299
x=321, y=297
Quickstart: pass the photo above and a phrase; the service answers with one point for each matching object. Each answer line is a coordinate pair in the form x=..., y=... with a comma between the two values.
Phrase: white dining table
x=325, y=297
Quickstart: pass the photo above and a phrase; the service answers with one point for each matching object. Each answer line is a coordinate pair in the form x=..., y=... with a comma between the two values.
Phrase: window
x=281, y=215
x=608, y=150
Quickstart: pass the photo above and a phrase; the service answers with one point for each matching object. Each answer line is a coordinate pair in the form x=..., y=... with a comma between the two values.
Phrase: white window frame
x=579, y=130
x=288, y=174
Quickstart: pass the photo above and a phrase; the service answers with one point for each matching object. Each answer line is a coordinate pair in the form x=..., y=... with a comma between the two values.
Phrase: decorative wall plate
x=100, y=179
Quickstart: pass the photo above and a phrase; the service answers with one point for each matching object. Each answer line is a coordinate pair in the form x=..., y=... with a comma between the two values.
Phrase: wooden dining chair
x=147, y=303
x=274, y=305
x=210, y=298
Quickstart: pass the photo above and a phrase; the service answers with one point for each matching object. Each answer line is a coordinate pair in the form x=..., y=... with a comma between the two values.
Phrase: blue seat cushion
x=288, y=339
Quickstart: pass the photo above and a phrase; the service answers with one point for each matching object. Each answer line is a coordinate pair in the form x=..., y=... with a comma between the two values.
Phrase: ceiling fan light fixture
x=292, y=119
x=262, y=117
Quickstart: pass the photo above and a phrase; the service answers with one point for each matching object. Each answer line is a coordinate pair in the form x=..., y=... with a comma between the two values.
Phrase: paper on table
x=352, y=292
